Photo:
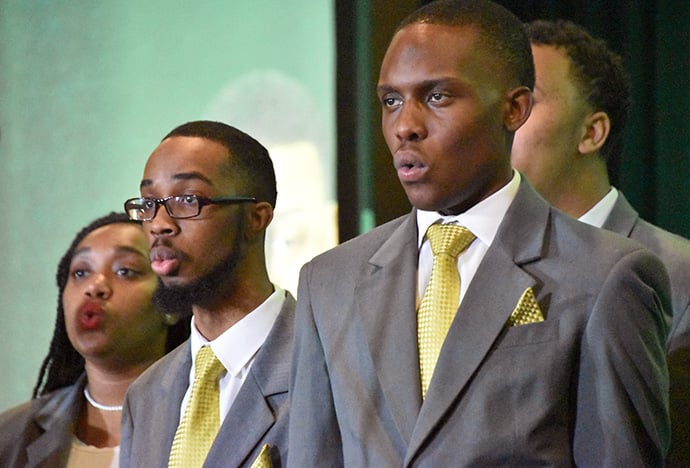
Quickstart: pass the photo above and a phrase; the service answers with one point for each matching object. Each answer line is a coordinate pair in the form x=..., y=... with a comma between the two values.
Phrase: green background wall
x=87, y=89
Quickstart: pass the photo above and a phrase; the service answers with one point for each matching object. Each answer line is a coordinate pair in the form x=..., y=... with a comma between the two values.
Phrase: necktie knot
x=207, y=366
x=449, y=239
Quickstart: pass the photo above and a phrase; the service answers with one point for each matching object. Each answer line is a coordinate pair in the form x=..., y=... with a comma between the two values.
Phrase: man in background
x=571, y=147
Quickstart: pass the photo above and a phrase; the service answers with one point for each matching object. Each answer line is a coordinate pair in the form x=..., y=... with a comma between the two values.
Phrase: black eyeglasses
x=177, y=206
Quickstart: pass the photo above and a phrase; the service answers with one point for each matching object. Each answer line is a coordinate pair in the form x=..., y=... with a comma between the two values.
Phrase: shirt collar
x=596, y=216
x=236, y=346
x=482, y=219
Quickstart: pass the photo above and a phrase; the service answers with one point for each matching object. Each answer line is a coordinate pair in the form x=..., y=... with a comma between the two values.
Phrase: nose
x=409, y=125
x=162, y=224
x=98, y=287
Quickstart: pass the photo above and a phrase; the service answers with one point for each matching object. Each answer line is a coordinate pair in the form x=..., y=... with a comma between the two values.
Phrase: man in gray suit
x=207, y=197
x=570, y=149
x=555, y=356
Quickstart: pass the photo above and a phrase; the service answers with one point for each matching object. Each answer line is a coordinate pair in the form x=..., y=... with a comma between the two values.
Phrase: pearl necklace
x=98, y=405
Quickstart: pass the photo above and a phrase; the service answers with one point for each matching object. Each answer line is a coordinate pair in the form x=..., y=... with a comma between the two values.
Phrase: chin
x=423, y=204
x=174, y=281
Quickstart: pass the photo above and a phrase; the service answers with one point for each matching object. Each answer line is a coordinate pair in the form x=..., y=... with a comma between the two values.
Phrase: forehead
x=552, y=68
x=436, y=50
x=117, y=237
x=183, y=160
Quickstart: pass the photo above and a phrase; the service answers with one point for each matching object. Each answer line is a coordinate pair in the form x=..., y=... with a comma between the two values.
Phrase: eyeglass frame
x=201, y=200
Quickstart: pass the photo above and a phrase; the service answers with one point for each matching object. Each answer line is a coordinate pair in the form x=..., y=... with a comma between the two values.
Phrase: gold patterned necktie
x=440, y=301
x=201, y=419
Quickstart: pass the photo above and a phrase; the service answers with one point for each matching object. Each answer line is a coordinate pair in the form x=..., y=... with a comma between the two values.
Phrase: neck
x=585, y=184
x=213, y=320
x=107, y=387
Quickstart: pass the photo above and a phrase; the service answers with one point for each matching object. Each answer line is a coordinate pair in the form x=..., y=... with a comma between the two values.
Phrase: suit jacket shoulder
x=674, y=252
x=39, y=432
x=151, y=411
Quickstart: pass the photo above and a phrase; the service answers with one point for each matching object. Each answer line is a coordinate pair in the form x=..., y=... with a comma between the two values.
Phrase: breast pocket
x=530, y=334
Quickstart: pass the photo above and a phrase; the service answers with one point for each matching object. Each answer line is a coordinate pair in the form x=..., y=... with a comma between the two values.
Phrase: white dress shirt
x=597, y=215
x=236, y=349
x=482, y=219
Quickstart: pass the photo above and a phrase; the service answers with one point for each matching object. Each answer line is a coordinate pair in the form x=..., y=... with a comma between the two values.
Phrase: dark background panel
x=653, y=39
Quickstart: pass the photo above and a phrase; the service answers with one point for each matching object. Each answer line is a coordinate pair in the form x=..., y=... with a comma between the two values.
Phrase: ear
x=518, y=105
x=596, y=130
x=259, y=216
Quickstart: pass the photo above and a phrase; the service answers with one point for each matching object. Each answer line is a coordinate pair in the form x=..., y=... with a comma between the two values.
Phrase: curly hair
x=598, y=73
x=63, y=365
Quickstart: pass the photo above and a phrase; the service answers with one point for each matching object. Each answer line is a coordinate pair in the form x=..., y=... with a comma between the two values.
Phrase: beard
x=178, y=300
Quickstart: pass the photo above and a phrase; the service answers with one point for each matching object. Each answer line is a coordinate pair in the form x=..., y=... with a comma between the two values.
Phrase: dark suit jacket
x=258, y=416
x=587, y=386
x=39, y=432
x=674, y=251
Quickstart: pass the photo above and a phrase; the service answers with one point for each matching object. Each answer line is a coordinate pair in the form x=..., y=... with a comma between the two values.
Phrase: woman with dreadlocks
x=107, y=332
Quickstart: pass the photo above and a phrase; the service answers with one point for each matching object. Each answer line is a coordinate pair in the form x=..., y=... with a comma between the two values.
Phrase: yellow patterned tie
x=201, y=419
x=264, y=458
x=440, y=301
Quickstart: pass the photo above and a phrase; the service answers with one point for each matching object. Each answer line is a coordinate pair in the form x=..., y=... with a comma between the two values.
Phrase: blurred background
x=88, y=89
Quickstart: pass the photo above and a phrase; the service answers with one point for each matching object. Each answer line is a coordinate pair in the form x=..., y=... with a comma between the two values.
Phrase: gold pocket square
x=527, y=310
x=264, y=458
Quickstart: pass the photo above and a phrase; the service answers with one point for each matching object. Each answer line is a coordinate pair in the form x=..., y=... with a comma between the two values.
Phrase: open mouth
x=90, y=316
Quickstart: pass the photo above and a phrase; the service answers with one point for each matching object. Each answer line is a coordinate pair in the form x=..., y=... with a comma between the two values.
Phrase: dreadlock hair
x=63, y=365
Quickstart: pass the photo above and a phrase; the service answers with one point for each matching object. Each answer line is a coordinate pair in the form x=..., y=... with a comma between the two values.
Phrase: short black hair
x=63, y=365
x=599, y=75
x=500, y=31
x=247, y=155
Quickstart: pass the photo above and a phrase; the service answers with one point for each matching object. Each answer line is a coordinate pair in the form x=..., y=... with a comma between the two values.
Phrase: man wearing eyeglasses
x=207, y=196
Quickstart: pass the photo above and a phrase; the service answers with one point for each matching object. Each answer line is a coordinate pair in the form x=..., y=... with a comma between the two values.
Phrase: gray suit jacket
x=258, y=416
x=674, y=251
x=587, y=386
x=39, y=432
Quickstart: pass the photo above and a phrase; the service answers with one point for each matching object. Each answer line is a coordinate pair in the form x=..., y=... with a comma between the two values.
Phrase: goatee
x=179, y=300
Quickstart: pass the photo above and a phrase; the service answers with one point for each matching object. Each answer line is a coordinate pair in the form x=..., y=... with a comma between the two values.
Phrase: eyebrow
x=120, y=249
x=194, y=175
x=426, y=84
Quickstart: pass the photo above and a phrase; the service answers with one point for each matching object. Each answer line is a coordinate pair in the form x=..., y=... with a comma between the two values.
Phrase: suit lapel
x=386, y=306
x=490, y=299
x=248, y=420
x=56, y=418
x=168, y=392
x=250, y=417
